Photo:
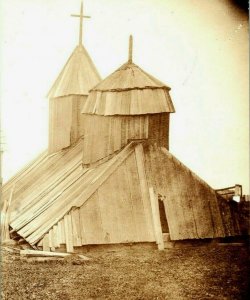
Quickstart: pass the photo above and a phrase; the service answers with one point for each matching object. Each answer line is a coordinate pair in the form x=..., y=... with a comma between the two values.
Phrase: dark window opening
x=163, y=217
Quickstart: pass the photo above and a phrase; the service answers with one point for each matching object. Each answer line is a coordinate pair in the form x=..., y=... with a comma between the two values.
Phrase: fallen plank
x=36, y=253
x=30, y=253
x=40, y=259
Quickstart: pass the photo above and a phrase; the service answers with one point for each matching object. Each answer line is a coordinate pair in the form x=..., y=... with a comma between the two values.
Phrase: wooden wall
x=57, y=202
x=191, y=205
x=103, y=135
x=118, y=212
x=77, y=128
x=60, y=118
x=230, y=216
x=65, y=121
x=158, y=129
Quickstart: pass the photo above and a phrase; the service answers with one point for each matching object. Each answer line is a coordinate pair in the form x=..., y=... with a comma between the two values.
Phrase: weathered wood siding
x=112, y=214
x=58, y=202
x=77, y=77
x=230, y=216
x=158, y=129
x=191, y=205
x=40, y=177
x=65, y=122
x=129, y=102
x=60, y=119
x=68, y=189
x=106, y=135
x=77, y=128
x=129, y=91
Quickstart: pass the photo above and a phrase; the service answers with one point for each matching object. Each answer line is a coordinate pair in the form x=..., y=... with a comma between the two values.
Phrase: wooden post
x=5, y=217
x=68, y=233
x=156, y=219
x=130, y=51
x=46, y=242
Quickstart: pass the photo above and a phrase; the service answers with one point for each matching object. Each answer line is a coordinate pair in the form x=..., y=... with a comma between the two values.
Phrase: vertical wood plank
x=63, y=231
x=81, y=117
x=139, y=217
x=74, y=117
x=60, y=135
x=46, y=246
x=55, y=236
x=108, y=208
x=123, y=205
x=59, y=233
x=82, y=225
x=156, y=219
x=144, y=187
x=76, y=227
x=51, y=244
x=216, y=216
x=131, y=179
x=94, y=232
x=68, y=233
x=5, y=214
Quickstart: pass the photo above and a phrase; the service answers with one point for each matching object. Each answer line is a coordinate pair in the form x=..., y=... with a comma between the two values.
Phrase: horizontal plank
x=28, y=252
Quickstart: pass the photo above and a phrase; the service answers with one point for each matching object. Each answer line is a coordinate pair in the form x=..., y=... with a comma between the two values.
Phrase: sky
x=198, y=48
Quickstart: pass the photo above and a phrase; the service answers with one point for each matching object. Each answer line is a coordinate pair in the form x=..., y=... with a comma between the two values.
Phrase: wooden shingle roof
x=129, y=76
x=64, y=185
x=77, y=77
x=191, y=212
x=129, y=91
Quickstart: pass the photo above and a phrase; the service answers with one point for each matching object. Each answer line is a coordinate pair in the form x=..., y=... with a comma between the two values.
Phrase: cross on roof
x=81, y=16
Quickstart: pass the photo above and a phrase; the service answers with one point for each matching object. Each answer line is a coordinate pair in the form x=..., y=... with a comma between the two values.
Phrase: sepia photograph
x=124, y=149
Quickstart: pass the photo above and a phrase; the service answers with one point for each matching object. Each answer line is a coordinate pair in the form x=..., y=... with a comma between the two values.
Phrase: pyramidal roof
x=129, y=76
x=129, y=91
x=77, y=77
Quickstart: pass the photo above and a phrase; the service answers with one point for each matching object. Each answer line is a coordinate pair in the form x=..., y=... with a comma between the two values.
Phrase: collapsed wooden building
x=108, y=176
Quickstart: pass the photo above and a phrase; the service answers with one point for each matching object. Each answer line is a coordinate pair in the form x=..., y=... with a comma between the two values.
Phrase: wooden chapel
x=108, y=176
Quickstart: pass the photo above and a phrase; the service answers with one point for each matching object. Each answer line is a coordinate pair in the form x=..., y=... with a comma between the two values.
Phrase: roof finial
x=81, y=16
x=130, y=53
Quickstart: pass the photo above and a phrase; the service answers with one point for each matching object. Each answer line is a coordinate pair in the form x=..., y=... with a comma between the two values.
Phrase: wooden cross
x=81, y=16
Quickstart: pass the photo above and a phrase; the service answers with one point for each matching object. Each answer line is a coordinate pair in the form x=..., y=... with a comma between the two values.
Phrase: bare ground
x=211, y=272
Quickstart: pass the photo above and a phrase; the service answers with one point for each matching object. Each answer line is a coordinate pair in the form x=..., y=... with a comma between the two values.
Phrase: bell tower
x=68, y=95
x=129, y=104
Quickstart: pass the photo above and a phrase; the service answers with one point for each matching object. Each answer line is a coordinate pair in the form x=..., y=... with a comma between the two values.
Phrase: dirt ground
x=204, y=272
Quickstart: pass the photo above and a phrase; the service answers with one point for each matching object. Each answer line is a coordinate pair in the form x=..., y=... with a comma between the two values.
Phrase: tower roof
x=129, y=91
x=129, y=76
x=77, y=77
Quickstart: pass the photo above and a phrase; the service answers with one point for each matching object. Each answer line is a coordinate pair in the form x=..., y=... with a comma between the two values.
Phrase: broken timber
x=35, y=253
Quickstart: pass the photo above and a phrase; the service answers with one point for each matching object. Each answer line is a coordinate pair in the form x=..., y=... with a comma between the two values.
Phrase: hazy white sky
x=199, y=48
